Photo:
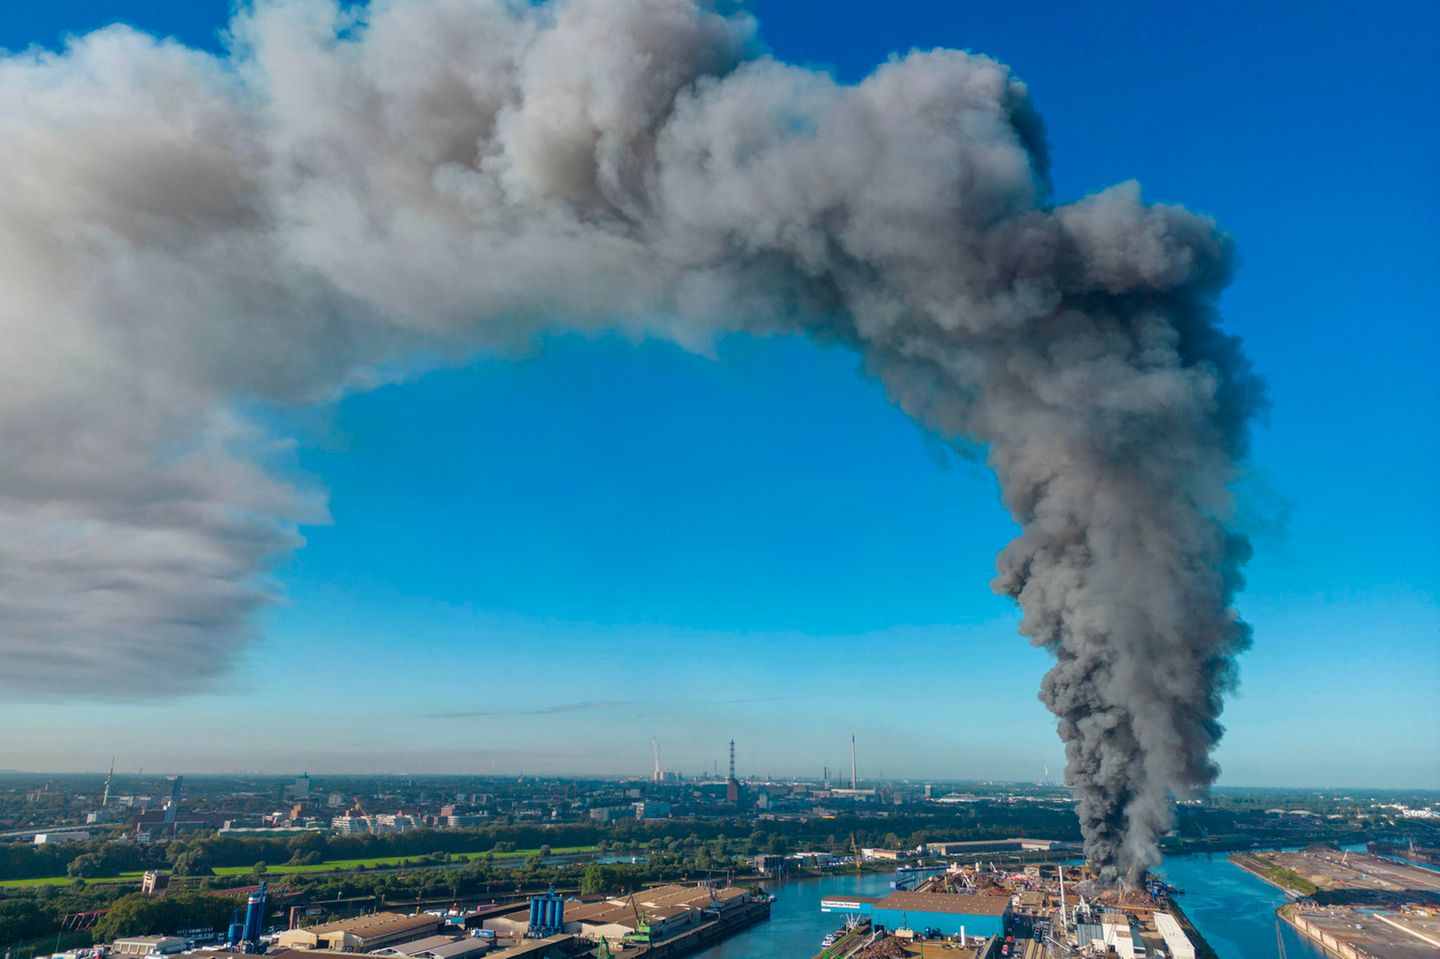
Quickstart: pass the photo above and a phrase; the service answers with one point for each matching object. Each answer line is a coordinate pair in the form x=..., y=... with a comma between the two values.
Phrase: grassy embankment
x=67, y=880
x=1277, y=875
x=332, y=865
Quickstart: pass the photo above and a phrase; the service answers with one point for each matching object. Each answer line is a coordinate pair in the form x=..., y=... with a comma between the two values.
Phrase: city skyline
x=545, y=563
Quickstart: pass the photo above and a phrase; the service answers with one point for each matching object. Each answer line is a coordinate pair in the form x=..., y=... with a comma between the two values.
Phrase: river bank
x=1288, y=882
x=1232, y=909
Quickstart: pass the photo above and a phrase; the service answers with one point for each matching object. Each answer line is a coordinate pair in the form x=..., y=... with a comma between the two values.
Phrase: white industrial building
x=1177, y=944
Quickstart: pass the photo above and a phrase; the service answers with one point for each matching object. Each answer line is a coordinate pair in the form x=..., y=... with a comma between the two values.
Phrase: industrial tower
x=732, y=785
x=854, y=780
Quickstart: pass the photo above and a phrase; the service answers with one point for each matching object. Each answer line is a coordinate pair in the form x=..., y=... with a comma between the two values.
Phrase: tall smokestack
x=854, y=779
x=352, y=189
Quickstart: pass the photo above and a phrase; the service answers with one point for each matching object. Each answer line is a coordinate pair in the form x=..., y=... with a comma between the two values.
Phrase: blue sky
x=757, y=545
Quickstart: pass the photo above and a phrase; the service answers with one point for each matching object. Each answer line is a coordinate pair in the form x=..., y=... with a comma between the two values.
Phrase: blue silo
x=547, y=915
x=254, y=919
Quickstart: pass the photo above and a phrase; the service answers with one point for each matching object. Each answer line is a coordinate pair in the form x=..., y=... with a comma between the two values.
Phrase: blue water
x=796, y=924
x=1233, y=910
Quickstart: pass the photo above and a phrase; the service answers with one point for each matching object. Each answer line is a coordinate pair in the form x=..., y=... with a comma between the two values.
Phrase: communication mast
x=854, y=779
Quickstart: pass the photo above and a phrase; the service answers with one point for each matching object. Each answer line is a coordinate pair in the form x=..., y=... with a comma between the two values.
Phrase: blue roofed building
x=944, y=913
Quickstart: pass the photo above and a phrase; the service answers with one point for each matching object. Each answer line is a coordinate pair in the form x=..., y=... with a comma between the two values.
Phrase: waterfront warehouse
x=945, y=914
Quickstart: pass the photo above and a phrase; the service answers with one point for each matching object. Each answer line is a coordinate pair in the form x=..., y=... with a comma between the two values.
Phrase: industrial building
x=415, y=947
x=985, y=846
x=1177, y=944
x=1113, y=933
x=437, y=947
x=147, y=945
x=362, y=934
x=947, y=914
x=666, y=910
x=551, y=947
x=456, y=949
x=652, y=809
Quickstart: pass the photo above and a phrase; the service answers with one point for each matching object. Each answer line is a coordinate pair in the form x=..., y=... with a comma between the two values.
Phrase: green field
x=332, y=865
x=1289, y=879
x=67, y=880
x=347, y=865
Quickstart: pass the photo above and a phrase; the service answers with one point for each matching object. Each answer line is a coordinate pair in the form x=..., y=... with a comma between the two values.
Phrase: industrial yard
x=1355, y=905
x=1367, y=933
x=978, y=910
x=1325, y=869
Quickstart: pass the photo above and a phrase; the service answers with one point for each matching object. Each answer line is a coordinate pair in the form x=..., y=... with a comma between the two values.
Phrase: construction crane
x=643, y=934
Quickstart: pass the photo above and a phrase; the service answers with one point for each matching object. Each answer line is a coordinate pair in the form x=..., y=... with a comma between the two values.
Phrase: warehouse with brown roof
x=361, y=934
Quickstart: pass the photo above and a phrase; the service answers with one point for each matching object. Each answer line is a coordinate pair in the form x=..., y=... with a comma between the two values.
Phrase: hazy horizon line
x=642, y=776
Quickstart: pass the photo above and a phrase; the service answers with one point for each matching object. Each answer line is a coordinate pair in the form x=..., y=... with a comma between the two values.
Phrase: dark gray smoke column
x=345, y=191
x=1115, y=413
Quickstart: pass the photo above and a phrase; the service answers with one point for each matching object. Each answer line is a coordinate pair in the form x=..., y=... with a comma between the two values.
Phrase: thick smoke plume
x=184, y=236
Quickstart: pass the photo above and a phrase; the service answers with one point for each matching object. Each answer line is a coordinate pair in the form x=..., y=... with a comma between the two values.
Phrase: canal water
x=796, y=924
x=1233, y=910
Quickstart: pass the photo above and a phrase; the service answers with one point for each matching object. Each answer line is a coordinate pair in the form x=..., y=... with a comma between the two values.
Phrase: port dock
x=706, y=933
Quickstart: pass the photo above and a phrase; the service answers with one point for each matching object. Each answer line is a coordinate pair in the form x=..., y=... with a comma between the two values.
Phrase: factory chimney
x=1064, y=921
x=732, y=785
x=854, y=780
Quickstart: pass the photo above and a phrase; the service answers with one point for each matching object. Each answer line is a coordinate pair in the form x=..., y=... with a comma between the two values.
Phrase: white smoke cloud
x=345, y=190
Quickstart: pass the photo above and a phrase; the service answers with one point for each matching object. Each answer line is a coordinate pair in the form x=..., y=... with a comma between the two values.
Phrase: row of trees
x=198, y=856
x=137, y=914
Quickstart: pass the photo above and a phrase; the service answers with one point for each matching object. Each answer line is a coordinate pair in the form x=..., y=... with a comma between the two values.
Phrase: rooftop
x=457, y=947
x=377, y=924
x=417, y=946
x=953, y=903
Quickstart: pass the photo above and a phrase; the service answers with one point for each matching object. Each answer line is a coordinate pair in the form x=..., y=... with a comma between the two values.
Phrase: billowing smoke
x=187, y=237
